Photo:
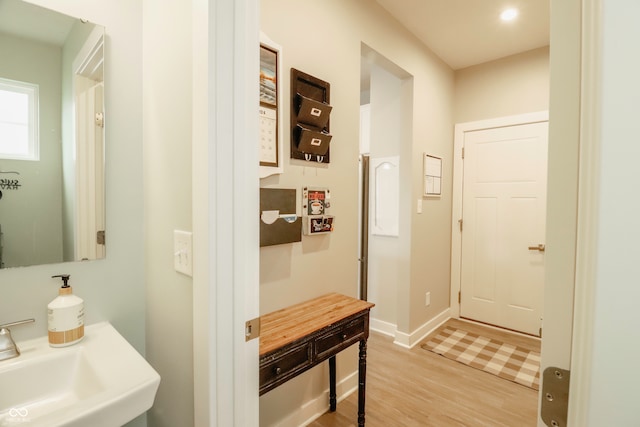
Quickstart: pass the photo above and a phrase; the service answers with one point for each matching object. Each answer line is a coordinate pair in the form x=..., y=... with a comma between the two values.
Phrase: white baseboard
x=316, y=407
x=383, y=327
x=410, y=340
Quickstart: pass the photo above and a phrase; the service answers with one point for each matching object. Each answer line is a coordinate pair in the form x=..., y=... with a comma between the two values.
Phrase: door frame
x=226, y=196
x=458, y=173
x=588, y=109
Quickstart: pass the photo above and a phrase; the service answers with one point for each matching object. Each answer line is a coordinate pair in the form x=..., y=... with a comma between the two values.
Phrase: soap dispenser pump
x=66, y=316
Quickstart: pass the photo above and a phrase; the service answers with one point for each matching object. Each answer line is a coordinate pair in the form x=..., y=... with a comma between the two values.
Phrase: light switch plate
x=419, y=206
x=183, y=252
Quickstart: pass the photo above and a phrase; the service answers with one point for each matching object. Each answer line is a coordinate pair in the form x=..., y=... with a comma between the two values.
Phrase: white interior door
x=503, y=212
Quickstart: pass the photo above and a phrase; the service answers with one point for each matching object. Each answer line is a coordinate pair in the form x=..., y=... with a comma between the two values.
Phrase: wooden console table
x=297, y=338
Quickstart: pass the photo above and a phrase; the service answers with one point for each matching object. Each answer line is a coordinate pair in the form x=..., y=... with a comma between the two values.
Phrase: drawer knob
x=344, y=337
x=278, y=370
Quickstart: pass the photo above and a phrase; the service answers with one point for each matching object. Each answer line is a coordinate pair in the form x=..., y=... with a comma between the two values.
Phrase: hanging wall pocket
x=279, y=222
x=310, y=111
x=311, y=141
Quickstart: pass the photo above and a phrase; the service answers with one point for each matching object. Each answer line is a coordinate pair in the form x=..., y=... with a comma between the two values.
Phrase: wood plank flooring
x=419, y=388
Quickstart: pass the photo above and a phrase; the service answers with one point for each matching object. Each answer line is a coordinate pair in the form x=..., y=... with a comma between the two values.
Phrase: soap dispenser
x=66, y=316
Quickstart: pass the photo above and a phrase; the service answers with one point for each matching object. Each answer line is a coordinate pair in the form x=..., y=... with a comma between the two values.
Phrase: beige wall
x=167, y=176
x=513, y=85
x=296, y=272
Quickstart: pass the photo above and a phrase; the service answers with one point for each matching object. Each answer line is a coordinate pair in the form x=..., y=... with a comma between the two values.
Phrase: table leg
x=332, y=384
x=362, y=378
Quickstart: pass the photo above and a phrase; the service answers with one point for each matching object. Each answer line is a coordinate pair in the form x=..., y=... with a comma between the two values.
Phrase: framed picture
x=269, y=111
x=268, y=76
x=432, y=175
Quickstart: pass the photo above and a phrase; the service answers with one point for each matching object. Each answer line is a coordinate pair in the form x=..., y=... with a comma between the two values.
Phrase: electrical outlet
x=427, y=299
x=182, y=252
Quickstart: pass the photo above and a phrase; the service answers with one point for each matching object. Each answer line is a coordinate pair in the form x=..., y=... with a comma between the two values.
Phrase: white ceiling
x=469, y=32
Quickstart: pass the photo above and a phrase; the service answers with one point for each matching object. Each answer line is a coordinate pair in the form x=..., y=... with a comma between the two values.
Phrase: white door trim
x=458, y=143
x=588, y=209
x=225, y=202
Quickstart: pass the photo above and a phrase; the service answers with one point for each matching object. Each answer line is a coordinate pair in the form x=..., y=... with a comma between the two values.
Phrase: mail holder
x=310, y=111
x=279, y=222
x=316, y=207
x=311, y=141
x=318, y=224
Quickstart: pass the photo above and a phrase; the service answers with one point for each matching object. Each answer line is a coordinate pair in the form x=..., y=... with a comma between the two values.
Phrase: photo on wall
x=268, y=76
x=268, y=110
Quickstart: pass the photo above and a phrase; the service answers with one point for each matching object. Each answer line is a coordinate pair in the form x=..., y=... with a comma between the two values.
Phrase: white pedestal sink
x=100, y=382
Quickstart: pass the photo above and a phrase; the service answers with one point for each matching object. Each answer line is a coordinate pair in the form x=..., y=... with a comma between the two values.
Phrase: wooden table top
x=287, y=325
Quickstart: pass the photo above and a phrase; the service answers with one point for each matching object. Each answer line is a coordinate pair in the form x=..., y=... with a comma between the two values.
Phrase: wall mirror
x=52, y=200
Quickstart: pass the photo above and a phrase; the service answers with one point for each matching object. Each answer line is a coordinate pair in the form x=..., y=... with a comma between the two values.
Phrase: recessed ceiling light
x=509, y=14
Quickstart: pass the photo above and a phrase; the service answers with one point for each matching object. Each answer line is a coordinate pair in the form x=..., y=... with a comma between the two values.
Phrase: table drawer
x=339, y=338
x=281, y=366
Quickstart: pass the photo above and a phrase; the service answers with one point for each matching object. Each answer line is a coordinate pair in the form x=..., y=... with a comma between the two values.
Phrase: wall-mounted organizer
x=310, y=111
x=316, y=207
x=279, y=223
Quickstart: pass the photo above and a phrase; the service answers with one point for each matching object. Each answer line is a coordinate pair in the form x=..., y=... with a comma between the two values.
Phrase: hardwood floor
x=419, y=388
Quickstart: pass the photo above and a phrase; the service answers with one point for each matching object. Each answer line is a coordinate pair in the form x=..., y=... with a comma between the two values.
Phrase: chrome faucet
x=8, y=347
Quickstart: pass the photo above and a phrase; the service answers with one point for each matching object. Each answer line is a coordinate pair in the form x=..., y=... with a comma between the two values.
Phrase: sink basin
x=101, y=382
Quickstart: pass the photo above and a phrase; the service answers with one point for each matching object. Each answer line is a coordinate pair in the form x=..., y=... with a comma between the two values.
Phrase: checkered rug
x=504, y=360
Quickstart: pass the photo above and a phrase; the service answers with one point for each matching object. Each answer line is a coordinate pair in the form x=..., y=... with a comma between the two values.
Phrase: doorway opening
x=386, y=113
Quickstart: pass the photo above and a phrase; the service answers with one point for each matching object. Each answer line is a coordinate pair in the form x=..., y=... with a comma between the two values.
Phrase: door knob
x=540, y=248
